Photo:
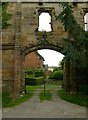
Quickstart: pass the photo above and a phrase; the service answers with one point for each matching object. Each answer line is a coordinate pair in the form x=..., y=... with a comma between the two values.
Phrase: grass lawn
x=76, y=99
x=7, y=101
x=45, y=96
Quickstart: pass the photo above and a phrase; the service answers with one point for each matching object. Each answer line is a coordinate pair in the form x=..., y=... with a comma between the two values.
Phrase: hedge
x=34, y=81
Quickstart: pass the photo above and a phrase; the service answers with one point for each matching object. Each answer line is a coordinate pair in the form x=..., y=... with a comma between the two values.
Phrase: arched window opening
x=86, y=22
x=44, y=22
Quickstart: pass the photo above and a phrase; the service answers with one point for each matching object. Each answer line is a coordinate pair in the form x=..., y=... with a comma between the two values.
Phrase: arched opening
x=43, y=67
x=44, y=22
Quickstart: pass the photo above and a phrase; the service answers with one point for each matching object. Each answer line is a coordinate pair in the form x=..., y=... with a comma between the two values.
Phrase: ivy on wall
x=76, y=44
x=5, y=15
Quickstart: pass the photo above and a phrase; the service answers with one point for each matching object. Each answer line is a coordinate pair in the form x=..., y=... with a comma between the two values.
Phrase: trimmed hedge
x=34, y=81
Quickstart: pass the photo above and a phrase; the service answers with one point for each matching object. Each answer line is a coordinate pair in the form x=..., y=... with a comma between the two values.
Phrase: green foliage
x=5, y=99
x=29, y=71
x=45, y=96
x=34, y=76
x=34, y=72
x=8, y=102
x=34, y=80
x=76, y=44
x=57, y=75
x=39, y=72
x=61, y=64
x=31, y=89
x=40, y=80
x=30, y=81
x=76, y=99
x=5, y=15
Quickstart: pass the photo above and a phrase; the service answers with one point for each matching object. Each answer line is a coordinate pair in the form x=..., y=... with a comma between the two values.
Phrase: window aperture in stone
x=86, y=22
x=44, y=22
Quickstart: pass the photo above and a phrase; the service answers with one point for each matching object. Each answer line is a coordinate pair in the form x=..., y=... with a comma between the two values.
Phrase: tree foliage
x=76, y=44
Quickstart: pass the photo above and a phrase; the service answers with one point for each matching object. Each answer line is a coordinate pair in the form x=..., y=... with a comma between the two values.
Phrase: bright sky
x=52, y=58
x=86, y=21
x=44, y=22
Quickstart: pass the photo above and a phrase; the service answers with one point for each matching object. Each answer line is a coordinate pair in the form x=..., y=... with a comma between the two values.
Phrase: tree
x=76, y=45
x=61, y=64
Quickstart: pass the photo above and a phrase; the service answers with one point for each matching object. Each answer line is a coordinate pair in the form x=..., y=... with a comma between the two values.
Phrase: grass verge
x=8, y=102
x=76, y=99
x=45, y=96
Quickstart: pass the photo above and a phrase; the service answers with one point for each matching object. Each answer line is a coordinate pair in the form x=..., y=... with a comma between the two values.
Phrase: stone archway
x=32, y=49
x=23, y=37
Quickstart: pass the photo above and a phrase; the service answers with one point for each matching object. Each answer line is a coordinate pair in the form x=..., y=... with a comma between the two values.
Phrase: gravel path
x=56, y=108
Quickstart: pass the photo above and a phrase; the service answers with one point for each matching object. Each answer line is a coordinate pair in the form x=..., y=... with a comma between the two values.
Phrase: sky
x=44, y=22
x=52, y=58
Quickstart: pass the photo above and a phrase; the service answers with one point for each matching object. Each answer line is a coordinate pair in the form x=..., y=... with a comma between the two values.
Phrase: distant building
x=50, y=68
x=34, y=60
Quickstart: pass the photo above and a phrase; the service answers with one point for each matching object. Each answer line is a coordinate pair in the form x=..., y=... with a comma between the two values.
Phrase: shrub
x=34, y=72
x=29, y=71
x=39, y=72
x=57, y=75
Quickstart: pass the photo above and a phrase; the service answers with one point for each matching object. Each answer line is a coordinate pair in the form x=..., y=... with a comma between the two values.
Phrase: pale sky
x=52, y=58
x=86, y=21
x=44, y=22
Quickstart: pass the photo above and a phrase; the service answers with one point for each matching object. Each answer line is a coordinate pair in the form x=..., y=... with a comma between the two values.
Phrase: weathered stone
x=22, y=37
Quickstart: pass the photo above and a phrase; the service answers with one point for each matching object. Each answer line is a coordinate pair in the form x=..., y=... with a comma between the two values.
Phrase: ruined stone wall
x=8, y=68
x=8, y=41
x=23, y=34
x=30, y=23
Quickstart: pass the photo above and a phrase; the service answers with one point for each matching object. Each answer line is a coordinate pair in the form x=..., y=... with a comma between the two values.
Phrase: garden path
x=56, y=108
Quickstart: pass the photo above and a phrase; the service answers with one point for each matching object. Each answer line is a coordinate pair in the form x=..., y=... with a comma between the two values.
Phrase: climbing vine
x=5, y=15
x=76, y=44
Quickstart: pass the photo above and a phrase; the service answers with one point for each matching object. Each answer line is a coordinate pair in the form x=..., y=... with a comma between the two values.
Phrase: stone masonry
x=23, y=37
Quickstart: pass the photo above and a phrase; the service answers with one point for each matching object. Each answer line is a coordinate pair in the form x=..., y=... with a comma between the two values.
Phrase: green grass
x=57, y=83
x=45, y=96
x=8, y=102
x=32, y=88
x=76, y=99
